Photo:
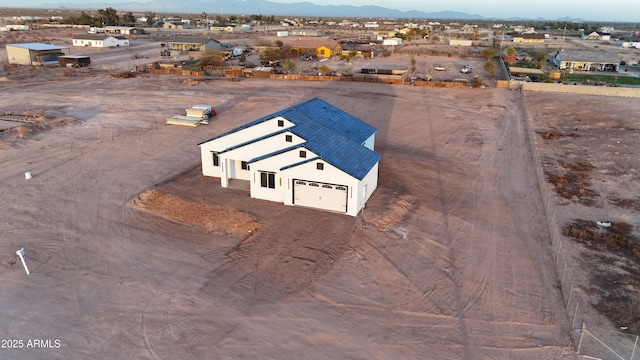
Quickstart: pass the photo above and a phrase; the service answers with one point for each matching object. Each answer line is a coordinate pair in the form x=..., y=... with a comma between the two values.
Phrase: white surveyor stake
x=21, y=254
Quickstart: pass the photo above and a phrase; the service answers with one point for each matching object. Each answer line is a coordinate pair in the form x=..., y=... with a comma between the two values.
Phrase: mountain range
x=264, y=7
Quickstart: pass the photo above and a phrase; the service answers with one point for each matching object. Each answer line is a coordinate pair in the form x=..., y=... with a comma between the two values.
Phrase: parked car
x=466, y=69
x=440, y=68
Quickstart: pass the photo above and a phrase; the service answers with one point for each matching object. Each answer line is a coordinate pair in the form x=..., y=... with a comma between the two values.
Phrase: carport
x=74, y=61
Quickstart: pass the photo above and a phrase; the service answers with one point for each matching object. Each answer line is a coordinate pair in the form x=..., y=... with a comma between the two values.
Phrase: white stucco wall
x=273, y=164
x=370, y=142
x=370, y=182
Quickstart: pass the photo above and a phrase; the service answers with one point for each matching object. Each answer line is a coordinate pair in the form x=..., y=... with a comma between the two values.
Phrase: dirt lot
x=132, y=251
x=589, y=151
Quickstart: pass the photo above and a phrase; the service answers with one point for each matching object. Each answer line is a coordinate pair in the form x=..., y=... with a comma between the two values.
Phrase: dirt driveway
x=449, y=260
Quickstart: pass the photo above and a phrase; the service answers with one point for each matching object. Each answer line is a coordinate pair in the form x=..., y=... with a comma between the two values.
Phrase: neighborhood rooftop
x=38, y=46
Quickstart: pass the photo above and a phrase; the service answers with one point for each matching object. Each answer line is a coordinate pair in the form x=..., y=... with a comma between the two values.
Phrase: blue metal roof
x=334, y=135
x=38, y=46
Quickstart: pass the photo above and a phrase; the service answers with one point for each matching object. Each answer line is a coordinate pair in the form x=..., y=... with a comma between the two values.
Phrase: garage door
x=320, y=195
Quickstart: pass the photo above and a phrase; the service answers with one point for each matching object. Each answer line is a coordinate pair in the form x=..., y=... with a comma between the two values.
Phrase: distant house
x=100, y=40
x=36, y=54
x=298, y=32
x=123, y=30
x=322, y=48
x=529, y=38
x=460, y=42
x=586, y=60
x=169, y=25
x=597, y=36
x=194, y=44
x=220, y=28
x=311, y=155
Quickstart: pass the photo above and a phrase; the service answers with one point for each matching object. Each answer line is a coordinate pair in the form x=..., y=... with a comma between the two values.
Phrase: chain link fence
x=591, y=338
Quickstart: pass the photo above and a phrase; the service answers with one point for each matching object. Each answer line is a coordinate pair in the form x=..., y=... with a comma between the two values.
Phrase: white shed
x=100, y=40
x=311, y=154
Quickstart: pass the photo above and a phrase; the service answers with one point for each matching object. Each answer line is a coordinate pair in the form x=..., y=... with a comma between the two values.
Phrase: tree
x=129, y=18
x=538, y=57
x=413, y=65
x=285, y=52
x=511, y=50
x=268, y=55
x=214, y=58
x=151, y=18
x=291, y=67
x=324, y=69
x=242, y=59
x=109, y=16
x=490, y=67
x=489, y=52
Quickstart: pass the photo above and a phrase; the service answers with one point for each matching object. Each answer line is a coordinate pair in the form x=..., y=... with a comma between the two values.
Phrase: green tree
x=213, y=58
x=268, y=54
x=490, y=67
x=242, y=59
x=324, y=69
x=538, y=57
x=109, y=16
x=129, y=18
x=291, y=67
x=511, y=50
x=412, y=68
x=489, y=53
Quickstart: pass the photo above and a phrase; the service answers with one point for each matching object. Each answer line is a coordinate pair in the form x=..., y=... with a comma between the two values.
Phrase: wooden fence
x=235, y=72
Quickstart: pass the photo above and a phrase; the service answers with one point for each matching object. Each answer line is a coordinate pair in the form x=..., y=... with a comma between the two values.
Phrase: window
x=320, y=166
x=216, y=159
x=244, y=165
x=288, y=138
x=303, y=154
x=280, y=123
x=268, y=180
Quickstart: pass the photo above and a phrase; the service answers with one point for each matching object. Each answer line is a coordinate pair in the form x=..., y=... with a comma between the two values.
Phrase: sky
x=610, y=10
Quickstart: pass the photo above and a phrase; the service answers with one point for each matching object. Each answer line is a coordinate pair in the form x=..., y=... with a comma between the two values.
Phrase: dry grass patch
x=572, y=181
x=615, y=283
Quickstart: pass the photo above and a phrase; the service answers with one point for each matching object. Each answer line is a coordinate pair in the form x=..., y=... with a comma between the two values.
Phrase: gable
x=332, y=134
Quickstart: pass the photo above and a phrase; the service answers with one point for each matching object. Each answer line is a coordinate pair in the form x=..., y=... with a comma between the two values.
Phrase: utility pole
x=501, y=41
